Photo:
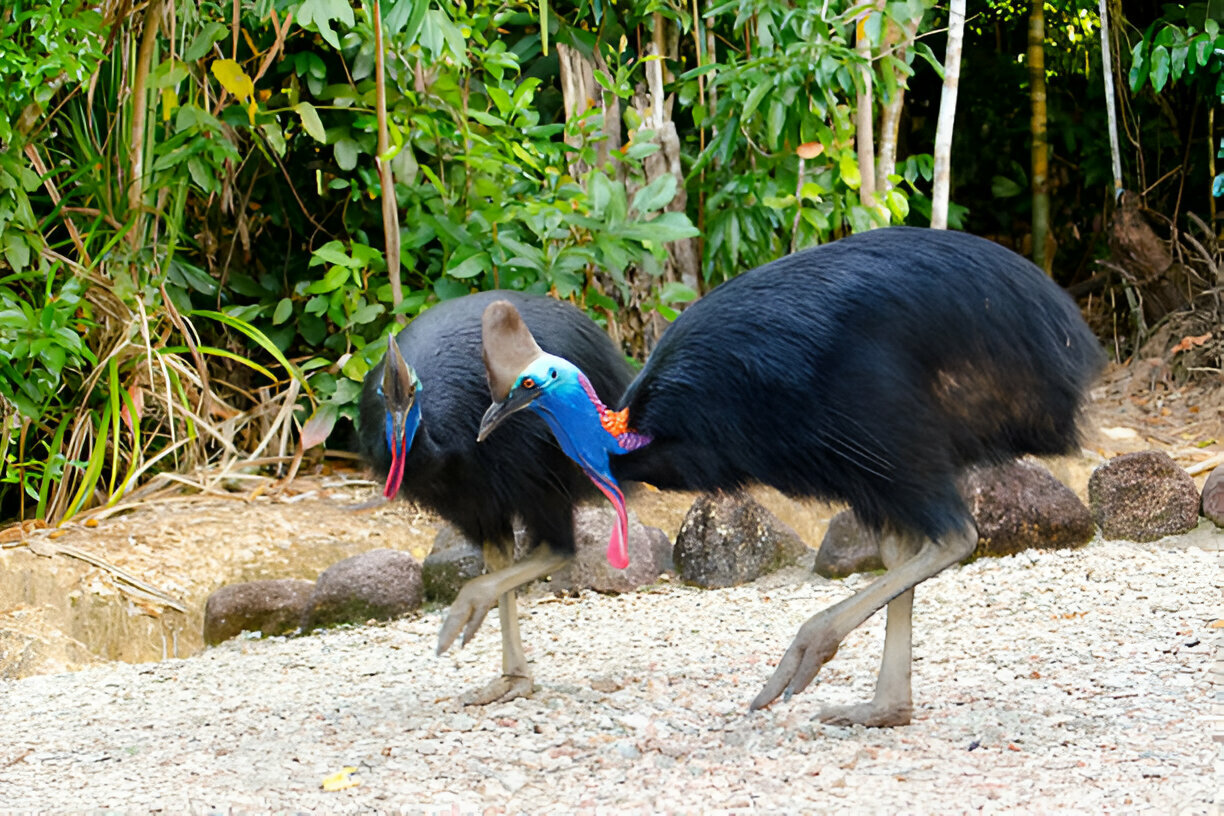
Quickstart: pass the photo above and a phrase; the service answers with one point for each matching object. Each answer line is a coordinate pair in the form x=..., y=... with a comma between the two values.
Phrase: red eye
x=529, y=383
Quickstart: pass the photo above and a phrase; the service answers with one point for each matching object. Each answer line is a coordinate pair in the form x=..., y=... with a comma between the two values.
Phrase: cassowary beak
x=499, y=412
x=399, y=387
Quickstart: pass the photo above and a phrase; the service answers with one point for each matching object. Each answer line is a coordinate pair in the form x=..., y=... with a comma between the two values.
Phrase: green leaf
x=311, y=122
x=1003, y=187
x=321, y=13
x=203, y=40
x=1160, y=67
x=655, y=195
x=676, y=292
x=471, y=267
x=366, y=314
x=1139, y=66
x=16, y=251
x=755, y=96
x=848, y=164
x=347, y=151
x=669, y=226
x=284, y=311
x=332, y=280
x=923, y=50
x=640, y=150
x=333, y=252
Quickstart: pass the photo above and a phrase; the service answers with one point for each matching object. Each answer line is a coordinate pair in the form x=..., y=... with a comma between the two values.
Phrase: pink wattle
x=618, y=548
x=618, y=544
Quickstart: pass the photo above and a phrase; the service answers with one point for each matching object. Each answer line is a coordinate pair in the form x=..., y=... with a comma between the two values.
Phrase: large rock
x=650, y=553
x=379, y=584
x=1016, y=506
x=729, y=538
x=847, y=548
x=1142, y=497
x=453, y=562
x=1213, y=497
x=1020, y=505
x=272, y=607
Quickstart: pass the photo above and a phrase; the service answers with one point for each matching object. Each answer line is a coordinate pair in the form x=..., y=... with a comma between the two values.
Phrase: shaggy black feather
x=520, y=470
x=870, y=370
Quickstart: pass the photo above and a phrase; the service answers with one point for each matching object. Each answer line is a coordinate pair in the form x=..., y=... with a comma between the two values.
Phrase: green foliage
x=1182, y=47
x=792, y=83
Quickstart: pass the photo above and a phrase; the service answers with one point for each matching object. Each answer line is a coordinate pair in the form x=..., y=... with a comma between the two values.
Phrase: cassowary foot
x=813, y=647
x=468, y=611
x=501, y=690
x=872, y=714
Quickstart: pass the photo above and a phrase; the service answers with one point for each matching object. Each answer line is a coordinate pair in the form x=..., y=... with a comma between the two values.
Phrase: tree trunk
x=947, y=116
x=683, y=263
x=579, y=91
x=890, y=117
x=1040, y=157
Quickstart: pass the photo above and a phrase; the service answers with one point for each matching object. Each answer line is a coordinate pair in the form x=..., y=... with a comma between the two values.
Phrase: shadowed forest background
x=200, y=251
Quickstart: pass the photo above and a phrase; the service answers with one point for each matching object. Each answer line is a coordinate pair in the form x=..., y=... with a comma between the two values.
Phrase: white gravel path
x=1045, y=682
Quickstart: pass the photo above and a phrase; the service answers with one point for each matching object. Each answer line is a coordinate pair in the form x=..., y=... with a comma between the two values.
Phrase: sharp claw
x=474, y=621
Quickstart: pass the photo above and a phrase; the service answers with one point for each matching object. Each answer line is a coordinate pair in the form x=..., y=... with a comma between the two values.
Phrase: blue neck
x=575, y=422
x=411, y=423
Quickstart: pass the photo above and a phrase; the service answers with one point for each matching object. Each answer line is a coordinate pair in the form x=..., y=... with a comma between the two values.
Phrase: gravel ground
x=1049, y=681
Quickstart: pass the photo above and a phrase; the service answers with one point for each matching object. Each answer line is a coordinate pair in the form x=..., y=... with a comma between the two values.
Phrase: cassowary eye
x=552, y=372
x=529, y=383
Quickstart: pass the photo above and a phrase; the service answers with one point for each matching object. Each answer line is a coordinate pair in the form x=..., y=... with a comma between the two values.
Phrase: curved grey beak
x=499, y=412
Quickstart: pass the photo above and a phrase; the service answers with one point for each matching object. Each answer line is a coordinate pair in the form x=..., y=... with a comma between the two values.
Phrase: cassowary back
x=871, y=370
x=521, y=470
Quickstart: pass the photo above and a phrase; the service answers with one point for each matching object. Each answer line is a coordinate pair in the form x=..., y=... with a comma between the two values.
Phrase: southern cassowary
x=420, y=411
x=871, y=370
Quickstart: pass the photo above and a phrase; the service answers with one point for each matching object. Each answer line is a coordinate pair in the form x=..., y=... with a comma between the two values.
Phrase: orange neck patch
x=615, y=422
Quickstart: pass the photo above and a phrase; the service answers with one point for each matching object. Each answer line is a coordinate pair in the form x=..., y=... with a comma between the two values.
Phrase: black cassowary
x=871, y=370
x=420, y=412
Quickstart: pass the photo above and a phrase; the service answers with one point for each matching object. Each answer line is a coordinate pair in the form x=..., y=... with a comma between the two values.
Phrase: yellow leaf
x=341, y=779
x=169, y=103
x=251, y=110
x=231, y=76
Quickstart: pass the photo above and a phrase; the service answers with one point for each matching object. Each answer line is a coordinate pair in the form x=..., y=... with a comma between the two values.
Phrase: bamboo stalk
x=1040, y=157
x=140, y=108
x=386, y=177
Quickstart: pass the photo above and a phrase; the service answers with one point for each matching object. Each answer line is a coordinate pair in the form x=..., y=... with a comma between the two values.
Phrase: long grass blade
x=260, y=338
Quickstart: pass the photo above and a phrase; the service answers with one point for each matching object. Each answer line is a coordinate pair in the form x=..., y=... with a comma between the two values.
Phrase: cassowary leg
x=474, y=602
x=820, y=636
x=892, y=703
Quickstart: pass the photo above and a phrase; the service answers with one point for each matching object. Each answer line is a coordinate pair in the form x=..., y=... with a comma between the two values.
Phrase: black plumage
x=522, y=472
x=871, y=370
x=482, y=489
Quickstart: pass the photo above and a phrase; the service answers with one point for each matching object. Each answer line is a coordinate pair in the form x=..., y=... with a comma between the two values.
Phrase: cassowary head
x=399, y=389
x=522, y=375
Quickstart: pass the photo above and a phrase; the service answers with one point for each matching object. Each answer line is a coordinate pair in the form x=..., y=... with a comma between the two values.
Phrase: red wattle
x=396, y=475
